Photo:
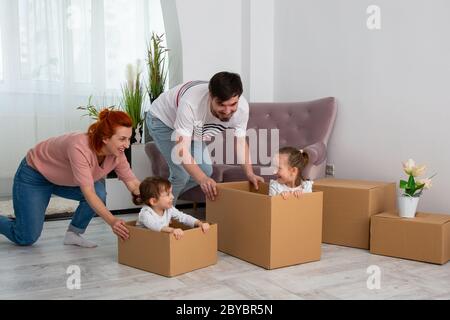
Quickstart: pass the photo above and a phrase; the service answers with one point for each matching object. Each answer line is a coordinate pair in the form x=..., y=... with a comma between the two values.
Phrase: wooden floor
x=39, y=272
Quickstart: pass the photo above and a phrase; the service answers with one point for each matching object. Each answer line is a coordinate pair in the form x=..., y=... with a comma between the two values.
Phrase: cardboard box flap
x=131, y=223
x=351, y=184
x=245, y=186
x=141, y=229
x=421, y=217
x=240, y=185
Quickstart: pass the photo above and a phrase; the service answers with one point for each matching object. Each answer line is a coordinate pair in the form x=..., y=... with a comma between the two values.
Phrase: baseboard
x=6, y=184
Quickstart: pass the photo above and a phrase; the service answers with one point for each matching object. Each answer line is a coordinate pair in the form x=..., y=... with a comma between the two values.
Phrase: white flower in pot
x=413, y=188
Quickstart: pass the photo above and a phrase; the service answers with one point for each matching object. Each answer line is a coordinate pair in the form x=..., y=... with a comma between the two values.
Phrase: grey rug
x=58, y=208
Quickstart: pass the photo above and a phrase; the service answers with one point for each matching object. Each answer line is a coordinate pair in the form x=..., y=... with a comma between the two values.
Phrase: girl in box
x=158, y=210
x=290, y=163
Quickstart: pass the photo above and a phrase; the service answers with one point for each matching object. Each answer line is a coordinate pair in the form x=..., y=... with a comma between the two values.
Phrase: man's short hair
x=225, y=85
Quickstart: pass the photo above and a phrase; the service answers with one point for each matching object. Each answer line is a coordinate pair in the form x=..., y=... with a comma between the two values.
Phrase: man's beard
x=221, y=118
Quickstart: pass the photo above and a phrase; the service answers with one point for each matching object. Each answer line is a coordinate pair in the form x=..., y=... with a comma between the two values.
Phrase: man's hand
x=119, y=228
x=208, y=186
x=254, y=179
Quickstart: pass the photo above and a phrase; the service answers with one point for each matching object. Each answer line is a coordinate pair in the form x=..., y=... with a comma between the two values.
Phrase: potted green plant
x=413, y=188
x=133, y=97
x=157, y=71
x=91, y=110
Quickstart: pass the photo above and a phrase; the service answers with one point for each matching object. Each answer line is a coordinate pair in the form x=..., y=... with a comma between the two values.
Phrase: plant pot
x=407, y=206
x=135, y=135
x=147, y=136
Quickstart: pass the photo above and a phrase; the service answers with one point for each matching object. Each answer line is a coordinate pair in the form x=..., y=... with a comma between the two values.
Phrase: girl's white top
x=150, y=219
x=276, y=188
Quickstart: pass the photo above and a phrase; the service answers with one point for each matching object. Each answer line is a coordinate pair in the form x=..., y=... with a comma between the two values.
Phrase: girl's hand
x=204, y=226
x=298, y=193
x=285, y=194
x=178, y=233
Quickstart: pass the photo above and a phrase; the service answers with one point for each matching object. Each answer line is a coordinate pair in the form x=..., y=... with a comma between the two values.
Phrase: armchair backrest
x=300, y=124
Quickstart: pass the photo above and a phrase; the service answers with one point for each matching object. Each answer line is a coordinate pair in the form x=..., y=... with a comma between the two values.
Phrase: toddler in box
x=289, y=163
x=158, y=210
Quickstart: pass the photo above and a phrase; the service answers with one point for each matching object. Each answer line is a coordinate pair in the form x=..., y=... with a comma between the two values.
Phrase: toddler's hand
x=285, y=194
x=178, y=233
x=204, y=226
x=298, y=193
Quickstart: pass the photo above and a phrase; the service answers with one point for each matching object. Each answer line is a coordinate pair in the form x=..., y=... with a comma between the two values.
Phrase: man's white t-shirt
x=186, y=109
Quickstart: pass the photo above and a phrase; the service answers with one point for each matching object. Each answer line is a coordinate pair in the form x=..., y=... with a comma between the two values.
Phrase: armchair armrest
x=159, y=164
x=317, y=153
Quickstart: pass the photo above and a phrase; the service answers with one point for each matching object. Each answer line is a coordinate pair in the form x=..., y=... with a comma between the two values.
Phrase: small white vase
x=407, y=206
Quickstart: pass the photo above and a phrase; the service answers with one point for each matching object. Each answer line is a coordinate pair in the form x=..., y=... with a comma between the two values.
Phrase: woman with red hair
x=72, y=166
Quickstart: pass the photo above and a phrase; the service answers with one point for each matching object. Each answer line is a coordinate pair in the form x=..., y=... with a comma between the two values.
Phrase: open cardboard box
x=424, y=238
x=161, y=253
x=348, y=206
x=267, y=231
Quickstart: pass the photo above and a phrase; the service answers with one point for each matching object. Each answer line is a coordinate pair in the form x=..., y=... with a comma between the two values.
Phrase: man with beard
x=183, y=118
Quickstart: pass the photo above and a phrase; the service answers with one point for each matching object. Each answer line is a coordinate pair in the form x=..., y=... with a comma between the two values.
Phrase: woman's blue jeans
x=179, y=178
x=31, y=195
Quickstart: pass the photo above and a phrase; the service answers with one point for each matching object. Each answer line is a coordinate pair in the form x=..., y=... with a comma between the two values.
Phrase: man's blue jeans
x=179, y=178
x=31, y=195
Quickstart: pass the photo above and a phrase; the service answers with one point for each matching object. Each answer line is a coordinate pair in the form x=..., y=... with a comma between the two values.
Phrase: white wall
x=392, y=84
x=234, y=35
x=210, y=36
x=258, y=58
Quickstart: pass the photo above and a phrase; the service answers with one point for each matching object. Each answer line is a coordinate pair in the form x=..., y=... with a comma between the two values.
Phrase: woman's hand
x=208, y=186
x=119, y=228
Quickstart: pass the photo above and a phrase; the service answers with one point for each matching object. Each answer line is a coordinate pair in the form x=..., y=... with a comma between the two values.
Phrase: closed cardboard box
x=161, y=253
x=424, y=238
x=267, y=231
x=348, y=206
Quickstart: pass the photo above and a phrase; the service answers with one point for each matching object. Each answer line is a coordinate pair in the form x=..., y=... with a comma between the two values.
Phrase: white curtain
x=54, y=54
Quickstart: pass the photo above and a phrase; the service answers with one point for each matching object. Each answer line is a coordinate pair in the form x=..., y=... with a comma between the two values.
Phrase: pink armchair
x=306, y=125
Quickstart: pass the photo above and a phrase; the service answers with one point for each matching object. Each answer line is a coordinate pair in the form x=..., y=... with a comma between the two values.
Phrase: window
x=40, y=36
x=82, y=42
x=1, y=56
x=55, y=54
x=124, y=34
x=79, y=25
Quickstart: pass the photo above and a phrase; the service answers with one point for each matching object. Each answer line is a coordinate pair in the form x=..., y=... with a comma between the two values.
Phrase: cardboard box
x=161, y=253
x=424, y=238
x=267, y=231
x=348, y=206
